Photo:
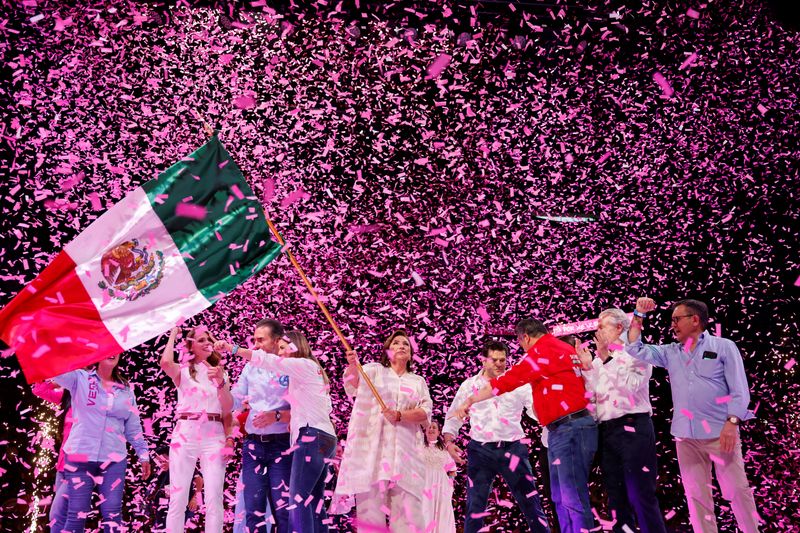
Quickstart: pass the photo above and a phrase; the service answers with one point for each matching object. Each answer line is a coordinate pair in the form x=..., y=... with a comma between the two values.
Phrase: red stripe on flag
x=53, y=326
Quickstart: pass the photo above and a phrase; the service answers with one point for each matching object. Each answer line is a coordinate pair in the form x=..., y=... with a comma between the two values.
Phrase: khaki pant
x=695, y=458
x=403, y=509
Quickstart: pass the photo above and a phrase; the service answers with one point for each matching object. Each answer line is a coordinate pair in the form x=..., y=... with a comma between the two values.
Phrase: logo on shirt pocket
x=284, y=381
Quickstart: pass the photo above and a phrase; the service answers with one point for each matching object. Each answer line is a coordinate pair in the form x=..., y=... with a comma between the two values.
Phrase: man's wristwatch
x=639, y=315
x=277, y=416
x=234, y=349
x=734, y=420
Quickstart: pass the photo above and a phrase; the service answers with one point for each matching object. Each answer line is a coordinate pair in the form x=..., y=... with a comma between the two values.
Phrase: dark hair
x=494, y=346
x=276, y=328
x=697, y=308
x=385, y=354
x=213, y=359
x=304, y=351
x=116, y=374
x=440, y=440
x=530, y=327
x=572, y=340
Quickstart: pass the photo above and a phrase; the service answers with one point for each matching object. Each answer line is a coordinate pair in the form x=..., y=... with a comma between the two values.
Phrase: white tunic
x=377, y=450
x=437, y=497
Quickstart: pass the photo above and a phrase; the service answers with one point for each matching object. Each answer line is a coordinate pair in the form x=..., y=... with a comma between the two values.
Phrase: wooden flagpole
x=209, y=130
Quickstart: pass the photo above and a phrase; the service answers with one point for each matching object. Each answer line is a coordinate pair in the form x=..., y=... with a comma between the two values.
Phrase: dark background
x=693, y=195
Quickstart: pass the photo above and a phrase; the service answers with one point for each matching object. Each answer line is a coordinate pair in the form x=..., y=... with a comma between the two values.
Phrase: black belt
x=564, y=419
x=631, y=418
x=211, y=417
x=496, y=443
x=272, y=437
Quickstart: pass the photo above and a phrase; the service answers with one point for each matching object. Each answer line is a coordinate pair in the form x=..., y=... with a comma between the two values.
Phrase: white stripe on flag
x=165, y=292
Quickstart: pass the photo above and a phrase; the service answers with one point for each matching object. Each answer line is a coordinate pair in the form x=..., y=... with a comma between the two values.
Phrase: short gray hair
x=618, y=316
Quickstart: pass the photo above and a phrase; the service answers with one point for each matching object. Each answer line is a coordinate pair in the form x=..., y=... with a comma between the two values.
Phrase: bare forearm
x=635, y=331
x=416, y=415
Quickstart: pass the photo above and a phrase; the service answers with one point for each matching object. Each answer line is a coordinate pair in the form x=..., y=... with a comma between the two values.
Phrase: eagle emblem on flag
x=131, y=270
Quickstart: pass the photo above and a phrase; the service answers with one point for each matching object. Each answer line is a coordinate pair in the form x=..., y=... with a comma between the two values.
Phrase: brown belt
x=211, y=417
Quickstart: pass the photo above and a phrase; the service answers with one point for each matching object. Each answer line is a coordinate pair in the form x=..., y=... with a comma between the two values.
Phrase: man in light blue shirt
x=710, y=396
x=266, y=465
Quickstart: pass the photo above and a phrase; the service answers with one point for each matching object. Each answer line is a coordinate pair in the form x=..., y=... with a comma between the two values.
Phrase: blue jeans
x=485, y=461
x=307, y=486
x=629, y=467
x=80, y=485
x=266, y=469
x=571, y=448
x=58, y=508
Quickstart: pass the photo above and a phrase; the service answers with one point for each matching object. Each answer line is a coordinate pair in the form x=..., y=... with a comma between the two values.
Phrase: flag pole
x=210, y=131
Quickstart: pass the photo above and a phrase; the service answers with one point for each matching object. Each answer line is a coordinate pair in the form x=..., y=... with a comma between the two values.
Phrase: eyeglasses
x=677, y=319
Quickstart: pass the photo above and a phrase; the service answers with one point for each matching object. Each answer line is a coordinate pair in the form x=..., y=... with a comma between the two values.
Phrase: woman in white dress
x=437, y=498
x=204, y=401
x=382, y=466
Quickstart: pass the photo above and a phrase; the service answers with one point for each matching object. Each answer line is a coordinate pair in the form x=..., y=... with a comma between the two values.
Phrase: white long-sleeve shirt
x=620, y=387
x=307, y=393
x=493, y=420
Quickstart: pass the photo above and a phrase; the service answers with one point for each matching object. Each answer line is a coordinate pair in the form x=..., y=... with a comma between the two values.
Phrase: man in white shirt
x=496, y=444
x=627, y=442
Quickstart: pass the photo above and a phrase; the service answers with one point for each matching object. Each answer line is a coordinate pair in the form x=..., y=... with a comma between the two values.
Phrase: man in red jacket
x=552, y=368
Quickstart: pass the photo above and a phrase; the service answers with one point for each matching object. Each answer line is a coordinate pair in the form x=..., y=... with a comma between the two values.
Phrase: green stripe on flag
x=220, y=229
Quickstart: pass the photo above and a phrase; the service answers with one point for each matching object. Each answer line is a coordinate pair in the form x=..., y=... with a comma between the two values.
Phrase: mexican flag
x=165, y=252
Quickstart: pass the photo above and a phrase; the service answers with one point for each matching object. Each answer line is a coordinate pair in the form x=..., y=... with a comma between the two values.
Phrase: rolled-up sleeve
x=425, y=402
x=453, y=424
x=240, y=390
x=736, y=379
x=652, y=354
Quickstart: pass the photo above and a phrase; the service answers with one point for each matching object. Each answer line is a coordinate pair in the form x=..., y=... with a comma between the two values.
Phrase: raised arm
x=167, y=362
x=648, y=353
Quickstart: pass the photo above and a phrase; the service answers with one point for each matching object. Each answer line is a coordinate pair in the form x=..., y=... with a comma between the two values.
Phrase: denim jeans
x=307, y=482
x=629, y=468
x=80, y=485
x=485, y=461
x=571, y=448
x=266, y=469
x=58, y=508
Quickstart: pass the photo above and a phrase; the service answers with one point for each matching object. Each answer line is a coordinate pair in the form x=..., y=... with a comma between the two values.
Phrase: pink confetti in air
x=691, y=13
x=723, y=399
x=688, y=414
x=193, y=211
x=706, y=426
x=437, y=67
x=244, y=102
x=513, y=462
x=790, y=364
x=666, y=88
x=237, y=192
x=689, y=61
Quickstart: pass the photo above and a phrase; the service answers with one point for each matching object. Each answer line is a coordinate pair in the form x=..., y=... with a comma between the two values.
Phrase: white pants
x=695, y=461
x=193, y=440
x=405, y=511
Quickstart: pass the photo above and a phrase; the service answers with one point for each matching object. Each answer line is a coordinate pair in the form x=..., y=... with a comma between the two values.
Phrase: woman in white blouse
x=313, y=436
x=204, y=400
x=382, y=466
